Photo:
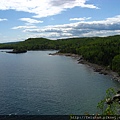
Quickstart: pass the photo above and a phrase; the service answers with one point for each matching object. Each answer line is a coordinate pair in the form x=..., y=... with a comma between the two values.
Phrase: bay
x=36, y=83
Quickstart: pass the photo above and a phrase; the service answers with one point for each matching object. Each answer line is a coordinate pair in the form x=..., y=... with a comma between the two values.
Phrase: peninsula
x=102, y=51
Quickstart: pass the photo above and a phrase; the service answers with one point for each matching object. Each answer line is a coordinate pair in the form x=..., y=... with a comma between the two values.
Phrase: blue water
x=36, y=83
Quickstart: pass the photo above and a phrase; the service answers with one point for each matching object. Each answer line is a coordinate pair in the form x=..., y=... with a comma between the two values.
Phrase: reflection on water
x=35, y=83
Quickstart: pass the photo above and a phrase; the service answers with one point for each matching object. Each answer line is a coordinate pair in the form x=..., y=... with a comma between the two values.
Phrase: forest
x=100, y=50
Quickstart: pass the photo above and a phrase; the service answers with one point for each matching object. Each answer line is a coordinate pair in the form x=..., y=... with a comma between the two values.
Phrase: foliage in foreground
x=109, y=109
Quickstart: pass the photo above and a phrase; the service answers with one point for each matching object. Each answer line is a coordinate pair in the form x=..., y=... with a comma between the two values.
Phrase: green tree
x=116, y=63
x=112, y=107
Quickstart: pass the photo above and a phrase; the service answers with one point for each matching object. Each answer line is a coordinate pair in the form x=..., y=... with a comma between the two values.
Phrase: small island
x=17, y=51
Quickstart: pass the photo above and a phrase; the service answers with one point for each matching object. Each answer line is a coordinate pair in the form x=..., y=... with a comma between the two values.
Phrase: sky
x=57, y=19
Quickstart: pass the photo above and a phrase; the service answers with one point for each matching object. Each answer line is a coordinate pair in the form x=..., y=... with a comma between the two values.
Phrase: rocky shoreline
x=95, y=67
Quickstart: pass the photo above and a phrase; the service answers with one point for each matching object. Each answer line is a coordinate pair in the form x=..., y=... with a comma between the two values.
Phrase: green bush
x=116, y=63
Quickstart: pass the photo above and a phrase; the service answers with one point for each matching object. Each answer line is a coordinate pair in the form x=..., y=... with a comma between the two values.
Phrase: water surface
x=36, y=83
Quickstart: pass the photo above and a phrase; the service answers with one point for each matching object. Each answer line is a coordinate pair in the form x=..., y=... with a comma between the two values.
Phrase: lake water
x=36, y=83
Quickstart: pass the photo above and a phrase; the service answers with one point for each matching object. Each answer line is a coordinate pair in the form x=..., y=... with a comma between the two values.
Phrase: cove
x=36, y=83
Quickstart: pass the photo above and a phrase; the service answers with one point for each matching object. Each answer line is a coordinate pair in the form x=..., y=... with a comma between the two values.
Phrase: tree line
x=100, y=50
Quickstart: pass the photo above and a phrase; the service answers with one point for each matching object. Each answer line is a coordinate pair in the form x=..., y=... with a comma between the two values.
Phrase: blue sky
x=55, y=19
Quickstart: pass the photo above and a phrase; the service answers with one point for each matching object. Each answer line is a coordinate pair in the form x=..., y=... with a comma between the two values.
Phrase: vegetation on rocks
x=110, y=104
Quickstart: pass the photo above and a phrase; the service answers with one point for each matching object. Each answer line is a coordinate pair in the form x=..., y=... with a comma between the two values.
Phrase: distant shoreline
x=95, y=67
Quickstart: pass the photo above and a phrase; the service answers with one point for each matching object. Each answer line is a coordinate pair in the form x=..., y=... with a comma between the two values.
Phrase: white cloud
x=102, y=33
x=43, y=8
x=113, y=20
x=23, y=27
x=3, y=19
x=80, y=19
x=109, y=26
x=30, y=21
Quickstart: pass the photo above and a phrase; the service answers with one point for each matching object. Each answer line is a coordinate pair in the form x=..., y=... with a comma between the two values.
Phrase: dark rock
x=118, y=92
x=109, y=101
x=81, y=62
x=81, y=58
x=67, y=55
x=97, y=69
x=105, y=73
x=116, y=97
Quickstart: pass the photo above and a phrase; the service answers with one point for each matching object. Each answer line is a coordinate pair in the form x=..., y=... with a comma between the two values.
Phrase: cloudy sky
x=55, y=19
